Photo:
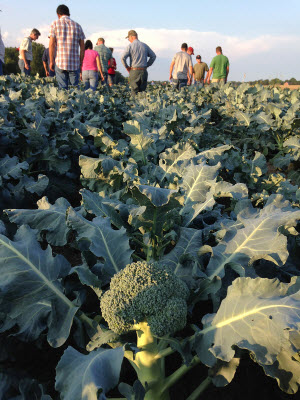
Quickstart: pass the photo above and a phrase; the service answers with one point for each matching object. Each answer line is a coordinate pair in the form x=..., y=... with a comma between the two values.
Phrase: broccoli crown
x=145, y=292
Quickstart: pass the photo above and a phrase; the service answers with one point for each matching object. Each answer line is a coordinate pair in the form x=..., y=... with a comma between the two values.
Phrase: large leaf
x=32, y=294
x=258, y=237
x=48, y=218
x=10, y=167
x=260, y=315
x=141, y=144
x=99, y=237
x=85, y=377
x=186, y=249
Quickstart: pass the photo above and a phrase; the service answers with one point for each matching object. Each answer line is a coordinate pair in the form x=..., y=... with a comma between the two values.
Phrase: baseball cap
x=131, y=33
x=191, y=50
x=198, y=56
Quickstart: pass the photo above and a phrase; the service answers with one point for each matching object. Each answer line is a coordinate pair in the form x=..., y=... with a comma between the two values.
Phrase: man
x=183, y=67
x=66, y=37
x=219, y=66
x=25, y=52
x=138, y=53
x=46, y=62
x=199, y=72
x=2, y=54
x=105, y=55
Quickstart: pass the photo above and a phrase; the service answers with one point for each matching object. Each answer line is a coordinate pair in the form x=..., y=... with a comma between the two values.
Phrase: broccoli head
x=145, y=292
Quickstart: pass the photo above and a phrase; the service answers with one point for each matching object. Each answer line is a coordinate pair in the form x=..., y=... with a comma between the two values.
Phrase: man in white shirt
x=183, y=68
x=25, y=55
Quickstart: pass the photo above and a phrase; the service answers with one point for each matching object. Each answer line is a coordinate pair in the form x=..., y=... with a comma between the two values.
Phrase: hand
x=208, y=81
x=26, y=66
x=171, y=77
x=128, y=69
x=47, y=73
x=102, y=77
x=51, y=66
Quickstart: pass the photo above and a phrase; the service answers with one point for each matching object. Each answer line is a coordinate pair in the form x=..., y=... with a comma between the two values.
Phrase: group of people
x=69, y=58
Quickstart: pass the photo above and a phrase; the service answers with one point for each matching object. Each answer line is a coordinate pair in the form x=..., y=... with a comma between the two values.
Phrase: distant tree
x=11, y=61
x=293, y=81
x=37, y=63
x=276, y=81
x=120, y=78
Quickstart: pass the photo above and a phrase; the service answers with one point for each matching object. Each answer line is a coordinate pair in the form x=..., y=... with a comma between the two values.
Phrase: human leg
x=182, y=83
x=74, y=77
x=24, y=71
x=85, y=79
x=93, y=78
x=134, y=81
x=62, y=78
x=143, y=78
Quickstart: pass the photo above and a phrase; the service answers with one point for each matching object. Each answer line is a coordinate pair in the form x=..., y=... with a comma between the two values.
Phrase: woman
x=112, y=66
x=90, y=67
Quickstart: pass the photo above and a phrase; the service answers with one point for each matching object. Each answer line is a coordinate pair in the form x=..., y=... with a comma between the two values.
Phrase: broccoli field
x=149, y=247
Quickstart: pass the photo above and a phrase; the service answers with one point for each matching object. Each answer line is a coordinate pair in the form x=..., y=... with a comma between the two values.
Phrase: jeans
x=1, y=68
x=90, y=79
x=24, y=71
x=180, y=83
x=64, y=78
x=138, y=80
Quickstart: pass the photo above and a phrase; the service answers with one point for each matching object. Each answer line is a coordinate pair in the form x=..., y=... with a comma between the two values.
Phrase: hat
x=131, y=33
x=198, y=56
x=191, y=50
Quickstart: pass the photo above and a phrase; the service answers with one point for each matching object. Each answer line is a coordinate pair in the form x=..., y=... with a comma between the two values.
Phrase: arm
x=23, y=56
x=209, y=75
x=171, y=69
x=125, y=55
x=190, y=75
x=52, y=46
x=152, y=57
x=227, y=72
x=206, y=70
x=46, y=68
x=99, y=67
x=81, y=44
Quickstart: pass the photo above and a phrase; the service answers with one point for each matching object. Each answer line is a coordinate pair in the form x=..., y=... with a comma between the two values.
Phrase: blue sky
x=260, y=38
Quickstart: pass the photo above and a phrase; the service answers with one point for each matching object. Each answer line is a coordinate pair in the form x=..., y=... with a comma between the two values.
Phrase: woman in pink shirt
x=90, y=67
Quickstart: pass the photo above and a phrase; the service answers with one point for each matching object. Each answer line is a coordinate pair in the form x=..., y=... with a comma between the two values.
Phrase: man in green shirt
x=219, y=66
x=199, y=72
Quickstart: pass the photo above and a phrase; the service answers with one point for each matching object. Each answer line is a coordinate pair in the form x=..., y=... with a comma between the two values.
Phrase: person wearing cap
x=141, y=57
x=199, y=72
x=219, y=66
x=183, y=68
x=105, y=55
x=25, y=54
x=66, y=38
x=46, y=62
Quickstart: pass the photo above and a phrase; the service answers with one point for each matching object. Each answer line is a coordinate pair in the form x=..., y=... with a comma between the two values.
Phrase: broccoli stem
x=150, y=370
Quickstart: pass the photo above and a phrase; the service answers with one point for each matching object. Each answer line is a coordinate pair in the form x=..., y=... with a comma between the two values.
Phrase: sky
x=260, y=38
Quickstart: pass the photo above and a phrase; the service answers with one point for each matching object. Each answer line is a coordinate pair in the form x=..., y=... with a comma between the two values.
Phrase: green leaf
x=258, y=237
x=98, y=236
x=11, y=168
x=48, y=218
x=32, y=294
x=260, y=315
x=84, y=377
x=141, y=144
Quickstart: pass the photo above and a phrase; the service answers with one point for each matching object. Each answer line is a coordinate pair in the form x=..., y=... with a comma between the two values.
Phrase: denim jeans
x=64, y=78
x=179, y=83
x=24, y=71
x=90, y=79
x=105, y=74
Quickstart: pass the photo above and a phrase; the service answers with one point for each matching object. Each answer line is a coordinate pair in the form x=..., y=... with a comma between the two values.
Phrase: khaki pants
x=218, y=80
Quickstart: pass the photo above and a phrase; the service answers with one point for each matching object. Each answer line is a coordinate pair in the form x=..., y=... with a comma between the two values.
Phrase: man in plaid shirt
x=66, y=36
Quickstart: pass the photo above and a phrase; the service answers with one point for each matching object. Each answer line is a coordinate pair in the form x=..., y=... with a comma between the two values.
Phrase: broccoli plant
x=151, y=300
